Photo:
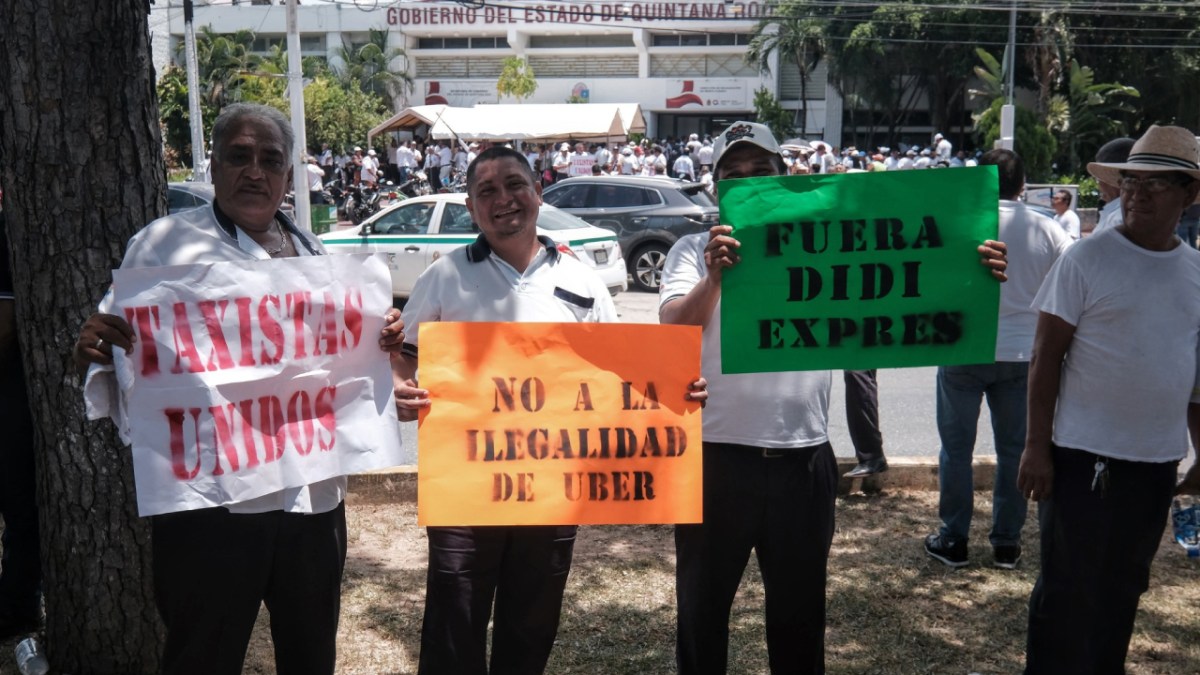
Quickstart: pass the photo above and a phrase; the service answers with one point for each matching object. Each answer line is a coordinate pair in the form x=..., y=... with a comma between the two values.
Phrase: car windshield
x=550, y=218
x=699, y=196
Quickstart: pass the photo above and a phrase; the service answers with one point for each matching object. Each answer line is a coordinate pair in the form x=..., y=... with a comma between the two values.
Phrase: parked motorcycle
x=416, y=185
x=363, y=201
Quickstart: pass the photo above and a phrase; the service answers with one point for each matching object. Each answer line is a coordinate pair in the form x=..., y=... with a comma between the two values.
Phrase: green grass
x=891, y=609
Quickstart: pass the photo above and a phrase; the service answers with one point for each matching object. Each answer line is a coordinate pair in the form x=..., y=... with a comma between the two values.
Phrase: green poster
x=860, y=270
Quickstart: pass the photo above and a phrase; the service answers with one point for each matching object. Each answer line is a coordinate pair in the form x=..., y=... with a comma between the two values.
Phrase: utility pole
x=1008, y=112
x=195, y=117
x=296, y=98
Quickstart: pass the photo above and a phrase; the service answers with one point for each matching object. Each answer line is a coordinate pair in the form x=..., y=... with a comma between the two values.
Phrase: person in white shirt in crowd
x=683, y=167
x=316, y=181
x=706, y=179
x=908, y=161
x=369, y=171
x=893, y=159
x=392, y=171
x=924, y=160
x=1112, y=152
x=1034, y=242
x=627, y=163
x=581, y=161
x=821, y=160
x=603, y=157
x=405, y=160
x=433, y=166
x=461, y=160
x=445, y=161
x=325, y=161
x=656, y=162
x=1060, y=201
x=959, y=159
x=705, y=154
x=942, y=148
x=562, y=162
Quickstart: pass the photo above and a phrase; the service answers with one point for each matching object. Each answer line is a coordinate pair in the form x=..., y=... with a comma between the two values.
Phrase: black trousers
x=780, y=504
x=523, y=570
x=213, y=569
x=1097, y=547
x=862, y=414
x=21, y=570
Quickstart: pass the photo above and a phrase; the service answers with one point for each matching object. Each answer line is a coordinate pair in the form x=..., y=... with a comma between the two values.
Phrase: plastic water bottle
x=1186, y=522
x=30, y=660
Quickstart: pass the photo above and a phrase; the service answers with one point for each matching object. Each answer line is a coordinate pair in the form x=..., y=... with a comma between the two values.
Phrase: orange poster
x=558, y=424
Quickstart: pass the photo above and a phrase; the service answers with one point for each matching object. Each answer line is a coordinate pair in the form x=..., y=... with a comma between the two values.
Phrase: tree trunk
x=82, y=170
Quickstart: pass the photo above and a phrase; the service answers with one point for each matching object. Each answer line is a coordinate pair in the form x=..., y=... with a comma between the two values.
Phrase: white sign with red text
x=249, y=377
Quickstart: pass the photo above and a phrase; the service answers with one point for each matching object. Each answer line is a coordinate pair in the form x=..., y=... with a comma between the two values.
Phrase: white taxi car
x=415, y=232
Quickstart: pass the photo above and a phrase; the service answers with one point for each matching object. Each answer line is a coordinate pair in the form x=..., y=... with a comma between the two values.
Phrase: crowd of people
x=1124, y=304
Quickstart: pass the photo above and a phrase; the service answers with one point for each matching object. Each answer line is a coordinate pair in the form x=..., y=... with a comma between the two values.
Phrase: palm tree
x=797, y=35
x=1093, y=112
x=369, y=67
x=223, y=61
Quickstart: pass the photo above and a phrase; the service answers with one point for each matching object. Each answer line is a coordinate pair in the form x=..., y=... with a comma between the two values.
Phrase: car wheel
x=647, y=267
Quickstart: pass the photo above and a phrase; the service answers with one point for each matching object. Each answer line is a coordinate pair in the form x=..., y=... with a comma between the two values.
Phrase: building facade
x=682, y=62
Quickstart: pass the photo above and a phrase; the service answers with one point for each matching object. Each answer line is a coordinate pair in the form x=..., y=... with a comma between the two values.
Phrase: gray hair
x=232, y=115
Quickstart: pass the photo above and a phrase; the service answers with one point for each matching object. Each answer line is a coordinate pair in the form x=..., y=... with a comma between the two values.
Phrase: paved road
x=906, y=401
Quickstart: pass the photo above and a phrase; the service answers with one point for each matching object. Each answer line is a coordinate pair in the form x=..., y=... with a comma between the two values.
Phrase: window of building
x=580, y=41
x=699, y=39
x=463, y=43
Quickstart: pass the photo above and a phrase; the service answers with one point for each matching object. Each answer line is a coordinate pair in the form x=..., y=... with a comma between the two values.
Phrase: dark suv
x=648, y=214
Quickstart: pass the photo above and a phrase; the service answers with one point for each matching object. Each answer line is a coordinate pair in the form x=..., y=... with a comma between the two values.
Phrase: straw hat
x=1160, y=149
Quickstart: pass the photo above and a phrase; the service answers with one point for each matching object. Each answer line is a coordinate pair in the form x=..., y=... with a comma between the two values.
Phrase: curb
x=399, y=484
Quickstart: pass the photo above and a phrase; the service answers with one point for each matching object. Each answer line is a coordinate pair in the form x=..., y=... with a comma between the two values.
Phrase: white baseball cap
x=744, y=132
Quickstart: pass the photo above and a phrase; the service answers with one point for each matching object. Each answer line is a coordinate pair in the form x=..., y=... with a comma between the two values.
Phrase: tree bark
x=82, y=169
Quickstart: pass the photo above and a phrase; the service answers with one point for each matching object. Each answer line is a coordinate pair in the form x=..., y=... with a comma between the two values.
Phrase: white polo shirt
x=472, y=283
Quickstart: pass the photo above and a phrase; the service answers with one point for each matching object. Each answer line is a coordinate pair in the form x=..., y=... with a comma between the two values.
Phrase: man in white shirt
x=369, y=173
x=581, y=162
x=286, y=549
x=683, y=168
x=405, y=160
x=445, y=161
x=514, y=574
x=1066, y=217
x=770, y=477
x=942, y=148
x=1113, y=394
x=1034, y=243
x=705, y=154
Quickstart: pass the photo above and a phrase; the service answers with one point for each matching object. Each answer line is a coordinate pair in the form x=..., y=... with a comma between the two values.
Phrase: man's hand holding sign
x=770, y=477
x=253, y=378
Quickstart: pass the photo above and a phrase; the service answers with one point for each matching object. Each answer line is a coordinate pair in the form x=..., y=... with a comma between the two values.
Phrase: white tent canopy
x=548, y=122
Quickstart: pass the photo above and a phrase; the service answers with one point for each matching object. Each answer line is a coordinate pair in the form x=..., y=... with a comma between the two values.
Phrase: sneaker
x=1006, y=557
x=951, y=553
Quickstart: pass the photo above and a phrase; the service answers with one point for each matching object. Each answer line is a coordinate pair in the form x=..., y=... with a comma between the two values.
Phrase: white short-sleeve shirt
x=1131, y=368
x=472, y=283
x=766, y=410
